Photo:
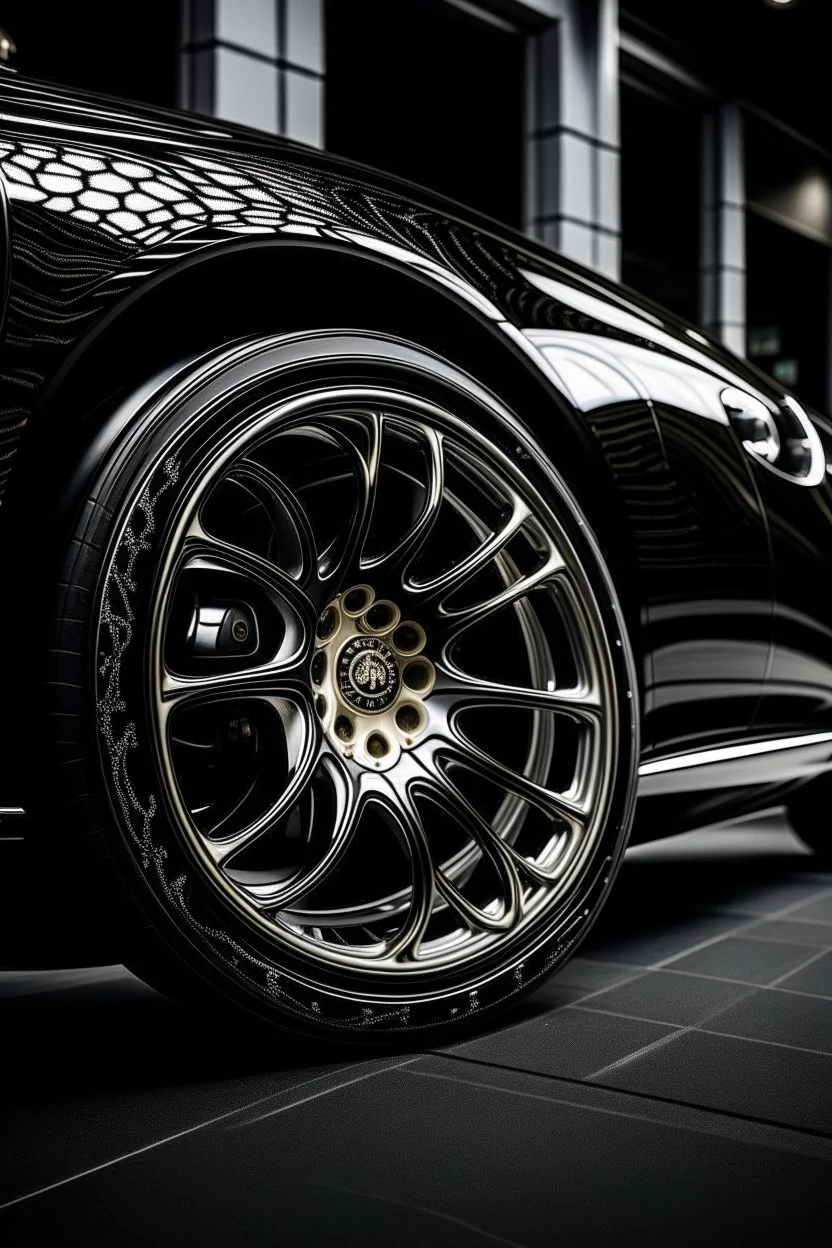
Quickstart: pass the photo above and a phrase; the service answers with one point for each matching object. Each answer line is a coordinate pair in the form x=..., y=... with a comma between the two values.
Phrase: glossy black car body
x=133, y=238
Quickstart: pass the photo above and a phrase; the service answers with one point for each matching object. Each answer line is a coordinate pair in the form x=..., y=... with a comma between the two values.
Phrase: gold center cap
x=368, y=674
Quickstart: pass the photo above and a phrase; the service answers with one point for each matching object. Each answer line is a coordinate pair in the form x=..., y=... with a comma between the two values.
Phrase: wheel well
x=260, y=288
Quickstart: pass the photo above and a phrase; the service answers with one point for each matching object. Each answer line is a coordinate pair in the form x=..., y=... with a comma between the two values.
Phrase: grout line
x=659, y=968
x=768, y=1124
x=807, y=923
x=313, y=1096
x=539, y=1096
x=792, y=992
x=812, y=922
x=742, y=927
x=774, y=1044
x=707, y=1031
x=798, y=944
x=638, y=1018
x=821, y=953
x=597, y=992
x=524, y=1022
x=663, y=1041
x=178, y=1135
x=722, y=979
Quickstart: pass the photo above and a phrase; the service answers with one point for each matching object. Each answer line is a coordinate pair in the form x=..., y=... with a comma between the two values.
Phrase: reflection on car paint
x=105, y=197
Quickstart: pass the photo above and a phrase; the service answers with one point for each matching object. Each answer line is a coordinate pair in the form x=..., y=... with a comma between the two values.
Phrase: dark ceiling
x=779, y=57
x=123, y=49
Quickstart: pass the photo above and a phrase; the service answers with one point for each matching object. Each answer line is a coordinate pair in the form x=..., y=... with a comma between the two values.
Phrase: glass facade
x=660, y=198
x=430, y=93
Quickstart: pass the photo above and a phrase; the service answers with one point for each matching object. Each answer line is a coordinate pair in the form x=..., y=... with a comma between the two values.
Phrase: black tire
x=190, y=931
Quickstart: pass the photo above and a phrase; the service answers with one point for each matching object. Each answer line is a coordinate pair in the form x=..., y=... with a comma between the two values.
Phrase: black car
x=363, y=564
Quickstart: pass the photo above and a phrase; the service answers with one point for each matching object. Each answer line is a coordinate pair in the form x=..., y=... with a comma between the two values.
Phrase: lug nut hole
x=377, y=745
x=318, y=668
x=357, y=600
x=380, y=616
x=327, y=624
x=408, y=718
x=417, y=675
x=344, y=728
x=239, y=631
x=408, y=638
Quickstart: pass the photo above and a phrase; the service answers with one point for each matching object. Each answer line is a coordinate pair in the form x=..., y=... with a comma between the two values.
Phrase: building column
x=257, y=62
x=572, y=196
x=722, y=287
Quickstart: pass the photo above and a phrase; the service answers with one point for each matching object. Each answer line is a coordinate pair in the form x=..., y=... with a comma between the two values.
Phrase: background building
x=684, y=148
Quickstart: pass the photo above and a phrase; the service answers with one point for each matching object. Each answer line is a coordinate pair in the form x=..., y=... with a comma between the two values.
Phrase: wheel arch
x=265, y=287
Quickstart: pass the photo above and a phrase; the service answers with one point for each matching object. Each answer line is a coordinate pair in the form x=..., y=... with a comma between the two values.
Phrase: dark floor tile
x=664, y=997
x=795, y=932
x=406, y=1159
x=644, y=948
x=780, y=1018
x=816, y=978
x=568, y=1043
x=583, y=976
x=819, y=911
x=739, y=957
x=762, y=1081
x=767, y=897
x=109, y=1067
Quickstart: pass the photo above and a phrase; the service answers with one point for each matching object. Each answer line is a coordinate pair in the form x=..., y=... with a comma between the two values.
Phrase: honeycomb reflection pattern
x=93, y=216
x=132, y=200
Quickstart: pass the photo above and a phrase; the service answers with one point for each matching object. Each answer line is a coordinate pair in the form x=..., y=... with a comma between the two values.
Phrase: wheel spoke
x=456, y=692
x=402, y=812
x=501, y=857
x=441, y=587
x=349, y=804
x=366, y=464
x=406, y=550
x=268, y=682
x=512, y=862
x=308, y=750
x=551, y=803
x=458, y=620
x=207, y=553
x=288, y=519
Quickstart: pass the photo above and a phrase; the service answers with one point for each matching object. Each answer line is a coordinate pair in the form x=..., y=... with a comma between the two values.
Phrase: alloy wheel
x=383, y=698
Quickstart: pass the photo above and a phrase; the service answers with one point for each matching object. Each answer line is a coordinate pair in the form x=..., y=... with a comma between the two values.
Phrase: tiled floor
x=672, y=1085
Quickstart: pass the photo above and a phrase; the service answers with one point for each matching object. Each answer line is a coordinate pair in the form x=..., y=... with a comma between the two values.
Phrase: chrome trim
x=10, y=823
x=754, y=423
x=785, y=758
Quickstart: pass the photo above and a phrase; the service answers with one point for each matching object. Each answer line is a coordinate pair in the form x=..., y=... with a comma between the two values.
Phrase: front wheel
x=355, y=712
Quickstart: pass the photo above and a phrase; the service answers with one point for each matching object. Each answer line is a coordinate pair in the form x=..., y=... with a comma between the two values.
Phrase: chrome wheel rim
x=440, y=806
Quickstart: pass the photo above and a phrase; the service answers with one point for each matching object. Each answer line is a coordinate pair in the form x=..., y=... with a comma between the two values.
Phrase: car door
x=699, y=529
x=790, y=454
x=711, y=603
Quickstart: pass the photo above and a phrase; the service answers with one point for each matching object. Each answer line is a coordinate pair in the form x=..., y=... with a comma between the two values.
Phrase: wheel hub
x=367, y=674
x=370, y=676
